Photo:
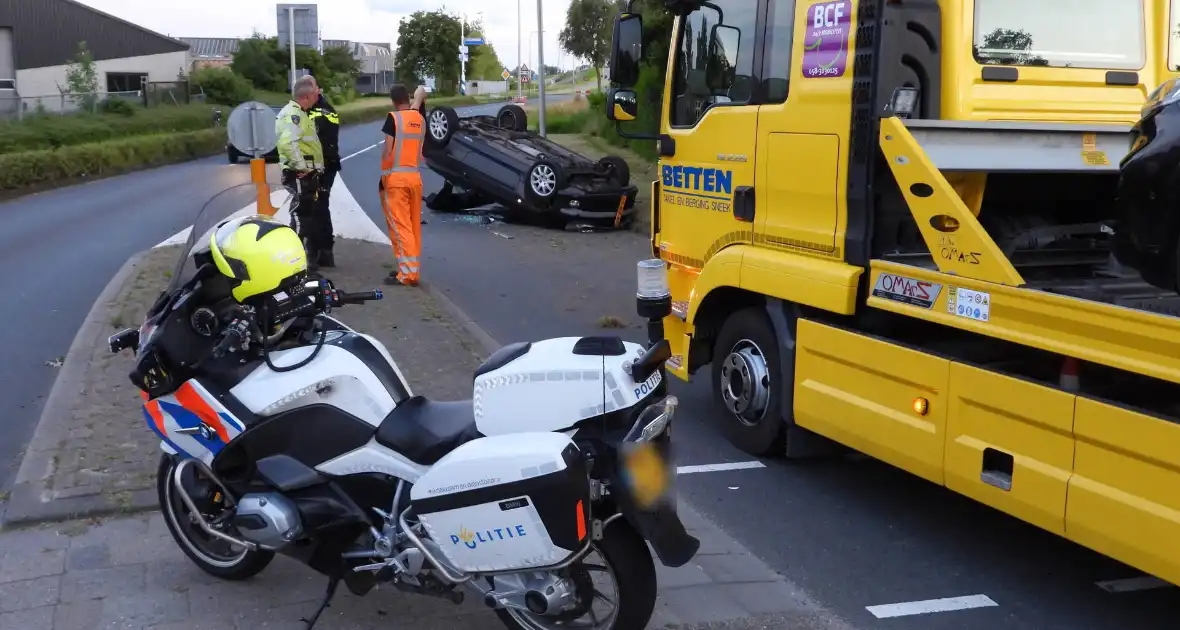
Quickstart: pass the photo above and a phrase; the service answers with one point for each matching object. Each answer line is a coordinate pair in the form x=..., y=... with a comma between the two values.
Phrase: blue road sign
x=473, y=41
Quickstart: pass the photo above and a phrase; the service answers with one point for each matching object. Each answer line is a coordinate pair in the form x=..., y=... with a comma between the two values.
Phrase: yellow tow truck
x=886, y=225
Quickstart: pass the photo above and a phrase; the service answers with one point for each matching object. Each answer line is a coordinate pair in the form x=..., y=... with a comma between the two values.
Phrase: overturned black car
x=495, y=159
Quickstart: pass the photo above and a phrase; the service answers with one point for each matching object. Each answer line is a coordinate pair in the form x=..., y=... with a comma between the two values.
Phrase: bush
x=222, y=86
x=115, y=105
x=52, y=131
x=101, y=159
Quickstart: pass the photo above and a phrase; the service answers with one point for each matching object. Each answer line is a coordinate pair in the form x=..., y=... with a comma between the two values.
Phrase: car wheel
x=542, y=181
x=512, y=118
x=615, y=168
x=441, y=124
x=232, y=154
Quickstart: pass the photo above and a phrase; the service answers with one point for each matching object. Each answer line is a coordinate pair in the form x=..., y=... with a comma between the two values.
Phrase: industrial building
x=376, y=59
x=40, y=38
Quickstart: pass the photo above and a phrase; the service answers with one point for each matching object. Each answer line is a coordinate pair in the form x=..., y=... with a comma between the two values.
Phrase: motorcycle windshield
x=233, y=202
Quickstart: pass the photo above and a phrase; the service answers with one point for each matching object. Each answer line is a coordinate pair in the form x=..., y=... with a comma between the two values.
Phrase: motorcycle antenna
x=333, y=582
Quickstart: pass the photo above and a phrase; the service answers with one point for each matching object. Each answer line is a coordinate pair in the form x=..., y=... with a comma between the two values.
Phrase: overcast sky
x=356, y=20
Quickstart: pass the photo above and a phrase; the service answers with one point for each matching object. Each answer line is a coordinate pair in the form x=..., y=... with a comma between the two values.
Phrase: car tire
x=232, y=154
x=747, y=388
x=441, y=124
x=513, y=118
x=615, y=168
x=542, y=181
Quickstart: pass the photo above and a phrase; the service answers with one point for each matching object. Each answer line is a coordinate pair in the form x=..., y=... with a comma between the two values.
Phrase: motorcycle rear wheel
x=627, y=561
x=215, y=557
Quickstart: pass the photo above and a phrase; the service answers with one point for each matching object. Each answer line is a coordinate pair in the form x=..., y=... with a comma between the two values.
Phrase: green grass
x=52, y=167
x=50, y=131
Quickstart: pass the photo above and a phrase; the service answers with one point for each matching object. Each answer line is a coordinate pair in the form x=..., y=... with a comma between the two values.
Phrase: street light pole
x=291, y=31
x=519, y=82
x=541, y=70
x=462, y=57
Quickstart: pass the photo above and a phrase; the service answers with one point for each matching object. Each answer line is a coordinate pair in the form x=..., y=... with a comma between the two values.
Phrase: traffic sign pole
x=541, y=70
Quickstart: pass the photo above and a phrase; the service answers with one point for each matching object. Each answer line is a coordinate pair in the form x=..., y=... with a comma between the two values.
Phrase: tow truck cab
x=888, y=225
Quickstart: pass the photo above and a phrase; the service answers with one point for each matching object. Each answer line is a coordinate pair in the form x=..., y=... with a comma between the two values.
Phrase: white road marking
x=349, y=157
x=348, y=218
x=1141, y=583
x=686, y=470
x=948, y=604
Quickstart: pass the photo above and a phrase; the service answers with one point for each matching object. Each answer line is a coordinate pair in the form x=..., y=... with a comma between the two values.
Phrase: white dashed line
x=370, y=148
x=685, y=470
x=928, y=606
x=1141, y=583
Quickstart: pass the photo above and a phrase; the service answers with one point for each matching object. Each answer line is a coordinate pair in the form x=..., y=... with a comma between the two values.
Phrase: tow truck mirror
x=721, y=66
x=626, y=50
x=622, y=105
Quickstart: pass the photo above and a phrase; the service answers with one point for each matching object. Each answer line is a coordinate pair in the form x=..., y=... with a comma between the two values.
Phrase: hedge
x=29, y=169
x=46, y=131
x=174, y=135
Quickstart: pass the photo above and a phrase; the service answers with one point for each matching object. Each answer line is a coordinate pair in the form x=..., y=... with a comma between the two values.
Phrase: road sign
x=472, y=41
x=505, y=75
x=463, y=49
x=251, y=128
x=463, y=57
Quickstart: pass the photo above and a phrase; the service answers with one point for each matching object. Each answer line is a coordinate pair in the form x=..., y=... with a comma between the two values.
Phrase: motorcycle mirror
x=651, y=361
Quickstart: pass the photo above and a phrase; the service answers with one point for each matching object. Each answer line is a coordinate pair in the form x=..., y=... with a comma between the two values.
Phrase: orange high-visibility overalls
x=401, y=193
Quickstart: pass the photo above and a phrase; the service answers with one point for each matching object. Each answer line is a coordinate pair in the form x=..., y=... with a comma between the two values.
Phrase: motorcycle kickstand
x=331, y=592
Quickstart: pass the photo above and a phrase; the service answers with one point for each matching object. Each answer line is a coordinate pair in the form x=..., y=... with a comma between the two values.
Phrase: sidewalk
x=126, y=572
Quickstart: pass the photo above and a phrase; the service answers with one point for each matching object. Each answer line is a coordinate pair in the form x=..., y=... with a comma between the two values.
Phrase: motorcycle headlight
x=654, y=420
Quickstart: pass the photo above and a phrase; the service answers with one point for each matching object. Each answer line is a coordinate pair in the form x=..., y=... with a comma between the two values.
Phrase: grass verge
x=35, y=170
x=50, y=131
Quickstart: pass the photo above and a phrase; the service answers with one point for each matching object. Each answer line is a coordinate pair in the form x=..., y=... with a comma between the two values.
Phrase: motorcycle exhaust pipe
x=194, y=513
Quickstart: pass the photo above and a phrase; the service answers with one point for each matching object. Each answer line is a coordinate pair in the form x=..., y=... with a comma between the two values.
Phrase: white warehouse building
x=39, y=39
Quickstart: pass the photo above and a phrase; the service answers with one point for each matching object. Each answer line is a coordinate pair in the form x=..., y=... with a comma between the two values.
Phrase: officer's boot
x=327, y=259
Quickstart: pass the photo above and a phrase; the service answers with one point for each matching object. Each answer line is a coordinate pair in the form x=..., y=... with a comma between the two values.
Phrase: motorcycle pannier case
x=507, y=502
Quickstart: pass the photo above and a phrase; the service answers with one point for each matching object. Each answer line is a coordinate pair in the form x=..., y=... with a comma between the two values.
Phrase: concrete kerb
x=28, y=502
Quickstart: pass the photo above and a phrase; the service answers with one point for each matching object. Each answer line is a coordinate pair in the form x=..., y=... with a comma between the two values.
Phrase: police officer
x=301, y=158
x=327, y=127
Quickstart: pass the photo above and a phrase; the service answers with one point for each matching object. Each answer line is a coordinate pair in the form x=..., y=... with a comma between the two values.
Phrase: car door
x=709, y=131
x=801, y=145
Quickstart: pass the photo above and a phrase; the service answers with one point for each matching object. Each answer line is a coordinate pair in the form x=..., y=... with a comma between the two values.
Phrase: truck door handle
x=743, y=204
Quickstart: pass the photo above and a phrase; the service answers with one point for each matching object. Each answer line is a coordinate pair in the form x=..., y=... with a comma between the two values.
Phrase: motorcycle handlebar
x=359, y=297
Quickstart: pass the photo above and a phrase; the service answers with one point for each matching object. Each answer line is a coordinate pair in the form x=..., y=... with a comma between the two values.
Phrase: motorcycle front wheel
x=214, y=556
x=616, y=583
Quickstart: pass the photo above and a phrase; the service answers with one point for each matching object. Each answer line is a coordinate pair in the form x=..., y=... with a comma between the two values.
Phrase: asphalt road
x=852, y=532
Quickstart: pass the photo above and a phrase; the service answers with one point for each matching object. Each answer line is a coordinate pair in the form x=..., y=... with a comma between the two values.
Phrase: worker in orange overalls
x=401, y=185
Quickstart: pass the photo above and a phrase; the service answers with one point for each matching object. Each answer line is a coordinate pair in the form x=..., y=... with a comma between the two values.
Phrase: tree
x=259, y=60
x=483, y=63
x=1008, y=41
x=427, y=47
x=82, y=79
x=587, y=31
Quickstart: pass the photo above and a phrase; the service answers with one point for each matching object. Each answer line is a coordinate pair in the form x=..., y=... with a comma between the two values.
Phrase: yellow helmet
x=258, y=254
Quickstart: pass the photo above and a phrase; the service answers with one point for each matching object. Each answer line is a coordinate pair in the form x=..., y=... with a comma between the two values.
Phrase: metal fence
x=153, y=94
x=18, y=107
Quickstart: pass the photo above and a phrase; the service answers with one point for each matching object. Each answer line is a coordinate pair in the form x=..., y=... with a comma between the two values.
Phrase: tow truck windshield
x=1103, y=34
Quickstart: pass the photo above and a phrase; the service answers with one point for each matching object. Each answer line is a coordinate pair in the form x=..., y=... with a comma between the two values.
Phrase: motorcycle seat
x=425, y=430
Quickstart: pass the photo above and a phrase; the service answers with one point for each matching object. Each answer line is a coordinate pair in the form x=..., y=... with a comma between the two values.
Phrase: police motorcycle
x=284, y=431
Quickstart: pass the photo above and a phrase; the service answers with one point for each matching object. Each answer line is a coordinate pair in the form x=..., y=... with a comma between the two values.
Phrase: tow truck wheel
x=747, y=388
x=441, y=124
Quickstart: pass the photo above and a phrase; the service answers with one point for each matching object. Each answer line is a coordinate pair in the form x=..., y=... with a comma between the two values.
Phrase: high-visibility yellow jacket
x=299, y=146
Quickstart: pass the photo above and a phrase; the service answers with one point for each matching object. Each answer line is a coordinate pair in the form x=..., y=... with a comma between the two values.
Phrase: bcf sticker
x=648, y=386
x=906, y=290
x=825, y=45
x=975, y=305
